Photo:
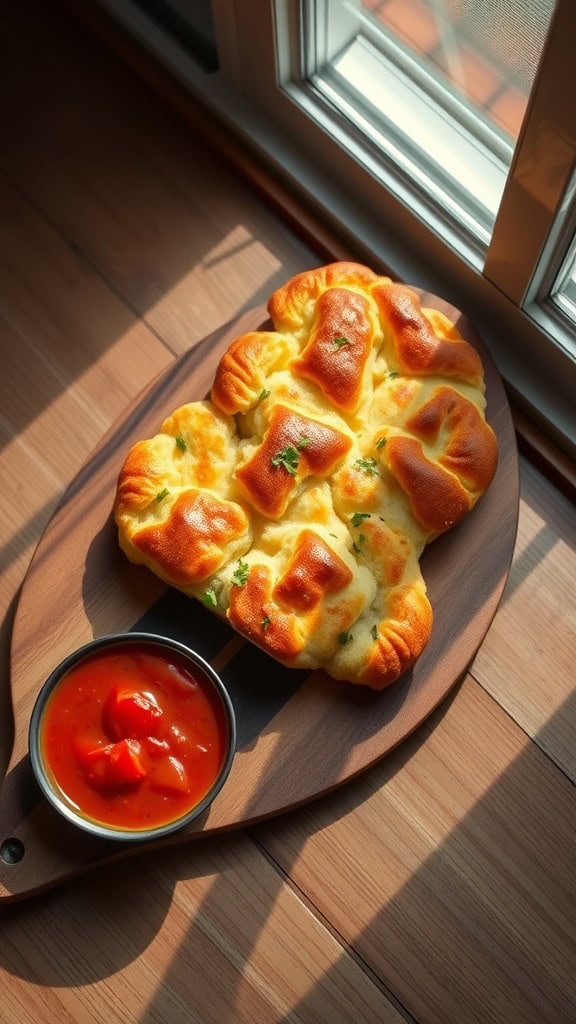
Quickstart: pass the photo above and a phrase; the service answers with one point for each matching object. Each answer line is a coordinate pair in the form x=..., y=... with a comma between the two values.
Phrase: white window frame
x=259, y=94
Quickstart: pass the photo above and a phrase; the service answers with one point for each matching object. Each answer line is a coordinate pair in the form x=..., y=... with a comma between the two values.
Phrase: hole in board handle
x=12, y=851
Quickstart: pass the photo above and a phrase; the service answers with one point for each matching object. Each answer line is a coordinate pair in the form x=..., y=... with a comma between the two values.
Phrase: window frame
x=265, y=103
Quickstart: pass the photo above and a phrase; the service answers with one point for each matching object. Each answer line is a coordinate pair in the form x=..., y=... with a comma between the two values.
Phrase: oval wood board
x=299, y=734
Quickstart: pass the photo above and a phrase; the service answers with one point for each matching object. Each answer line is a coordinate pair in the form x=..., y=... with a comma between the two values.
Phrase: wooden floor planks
x=440, y=868
x=122, y=243
x=219, y=901
x=527, y=659
x=115, y=173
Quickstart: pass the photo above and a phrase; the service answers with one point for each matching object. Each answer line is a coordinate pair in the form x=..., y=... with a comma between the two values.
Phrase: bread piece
x=297, y=501
x=173, y=508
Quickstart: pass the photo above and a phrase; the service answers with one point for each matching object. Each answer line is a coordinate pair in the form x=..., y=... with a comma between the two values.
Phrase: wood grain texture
x=450, y=875
x=285, y=718
x=219, y=936
x=533, y=637
x=119, y=177
x=66, y=342
x=450, y=898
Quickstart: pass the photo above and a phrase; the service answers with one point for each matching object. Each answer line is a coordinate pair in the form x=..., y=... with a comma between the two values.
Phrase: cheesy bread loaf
x=297, y=501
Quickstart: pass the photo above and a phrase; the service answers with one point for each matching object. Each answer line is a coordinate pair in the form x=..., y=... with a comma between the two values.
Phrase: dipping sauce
x=133, y=738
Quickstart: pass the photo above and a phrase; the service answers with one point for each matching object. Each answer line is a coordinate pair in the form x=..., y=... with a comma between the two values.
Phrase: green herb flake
x=210, y=599
x=288, y=457
x=392, y=374
x=374, y=632
x=266, y=621
x=241, y=573
x=344, y=638
x=369, y=465
x=340, y=341
x=162, y=494
x=359, y=518
x=380, y=442
x=360, y=543
x=181, y=443
x=264, y=394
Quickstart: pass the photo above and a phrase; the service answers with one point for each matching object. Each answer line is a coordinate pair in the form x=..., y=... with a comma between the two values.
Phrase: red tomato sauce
x=133, y=739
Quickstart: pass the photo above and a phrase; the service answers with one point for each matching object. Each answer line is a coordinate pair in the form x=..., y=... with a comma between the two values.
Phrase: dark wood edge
x=533, y=443
x=552, y=462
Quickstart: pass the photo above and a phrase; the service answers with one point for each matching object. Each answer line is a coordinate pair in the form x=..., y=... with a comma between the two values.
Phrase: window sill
x=330, y=245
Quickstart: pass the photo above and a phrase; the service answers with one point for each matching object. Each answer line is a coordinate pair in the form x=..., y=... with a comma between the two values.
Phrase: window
x=563, y=292
x=441, y=87
x=437, y=135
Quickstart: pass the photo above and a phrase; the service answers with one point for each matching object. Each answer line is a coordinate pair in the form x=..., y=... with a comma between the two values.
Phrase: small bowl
x=126, y=644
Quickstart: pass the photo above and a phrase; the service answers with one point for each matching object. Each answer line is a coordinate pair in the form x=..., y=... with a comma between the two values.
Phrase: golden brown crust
x=340, y=344
x=289, y=305
x=400, y=639
x=422, y=347
x=172, y=507
x=293, y=448
x=281, y=616
x=470, y=448
x=252, y=613
x=445, y=460
x=300, y=498
x=243, y=370
x=191, y=543
x=314, y=571
x=437, y=499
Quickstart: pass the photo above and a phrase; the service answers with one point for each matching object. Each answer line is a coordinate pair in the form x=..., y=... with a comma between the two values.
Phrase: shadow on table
x=486, y=893
x=128, y=902
x=498, y=896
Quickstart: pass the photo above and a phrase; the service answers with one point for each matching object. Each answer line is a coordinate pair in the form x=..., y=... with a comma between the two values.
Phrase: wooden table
x=440, y=885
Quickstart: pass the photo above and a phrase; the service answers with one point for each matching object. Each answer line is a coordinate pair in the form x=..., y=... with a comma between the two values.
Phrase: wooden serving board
x=299, y=734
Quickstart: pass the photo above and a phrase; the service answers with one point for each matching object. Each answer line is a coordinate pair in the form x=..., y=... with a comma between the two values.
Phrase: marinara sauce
x=133, y=739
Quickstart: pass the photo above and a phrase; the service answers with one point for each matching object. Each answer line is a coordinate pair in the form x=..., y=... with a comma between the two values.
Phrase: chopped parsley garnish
x=369, y=465
x=266, y=621
x=181, y=443
x=264, y=394
x=344, y=638
x=162, y=494
x=340, y=341
x=374, y=632
x=359, y=518
x=289, y=457
x=392, y=374
x=361, y=541
x=210, y=599
x=380, y=442
x=241, y=573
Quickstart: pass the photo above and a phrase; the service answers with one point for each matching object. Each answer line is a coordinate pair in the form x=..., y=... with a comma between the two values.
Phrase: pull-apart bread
x=297, y=501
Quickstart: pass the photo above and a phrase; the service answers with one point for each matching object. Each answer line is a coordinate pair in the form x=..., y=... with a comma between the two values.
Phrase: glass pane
x=438, y=91
x=487, y=50
x=563, y=296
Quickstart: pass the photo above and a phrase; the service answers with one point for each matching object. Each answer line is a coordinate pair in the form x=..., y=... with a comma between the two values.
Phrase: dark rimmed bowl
x=160, y=644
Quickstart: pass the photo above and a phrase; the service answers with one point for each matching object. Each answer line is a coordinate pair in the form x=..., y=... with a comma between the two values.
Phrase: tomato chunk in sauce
x=132, y=738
